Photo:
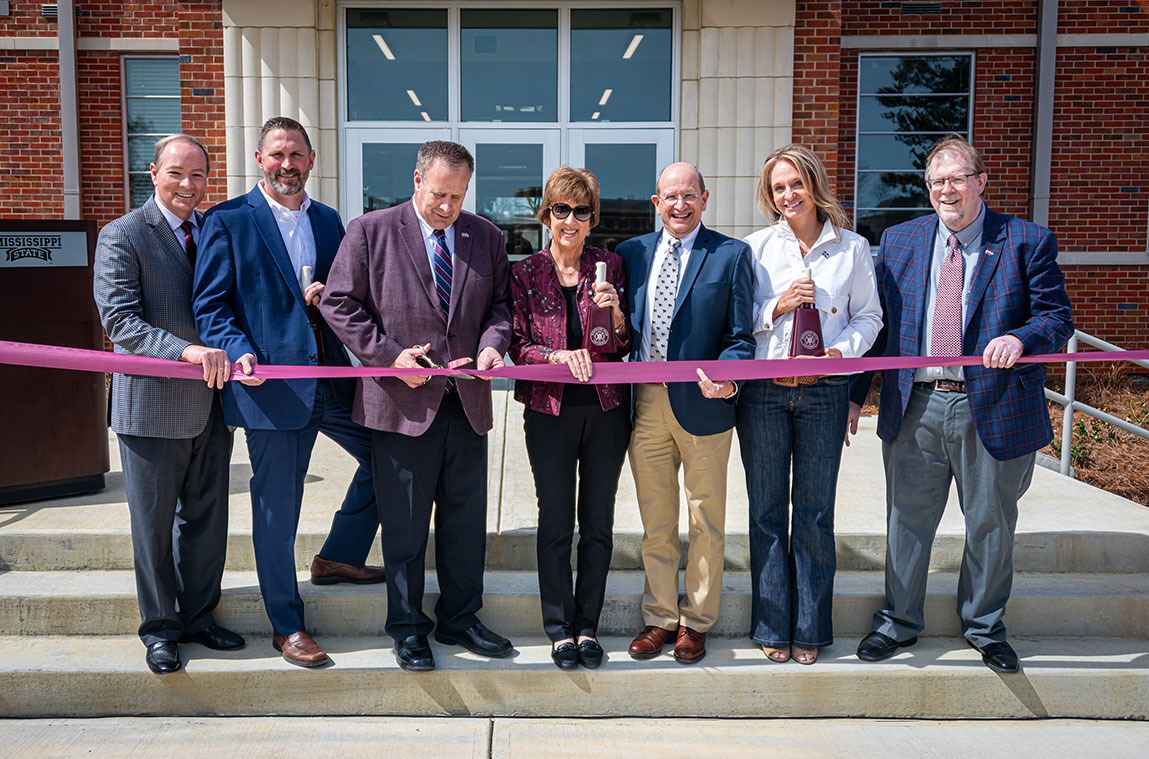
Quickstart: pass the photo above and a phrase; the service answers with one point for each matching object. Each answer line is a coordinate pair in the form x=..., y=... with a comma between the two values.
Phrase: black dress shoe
x=216, y=638
x=590, y=654
x=1000, y=657
x=414, y=654
x=478, y=640
x=877, y=646
x=565, y=656
x=163, y=658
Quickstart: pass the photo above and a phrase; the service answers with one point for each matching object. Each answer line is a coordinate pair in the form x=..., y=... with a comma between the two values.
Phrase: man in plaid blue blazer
x=174, y=445
x=965, y=281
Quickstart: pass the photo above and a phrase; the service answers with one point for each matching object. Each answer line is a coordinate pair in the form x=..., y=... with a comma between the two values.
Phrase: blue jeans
x=799, y=429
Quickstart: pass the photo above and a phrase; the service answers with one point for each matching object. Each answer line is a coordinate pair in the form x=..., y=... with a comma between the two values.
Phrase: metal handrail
x=1071, y=404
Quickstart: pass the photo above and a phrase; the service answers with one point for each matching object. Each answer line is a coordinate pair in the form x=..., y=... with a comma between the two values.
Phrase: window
x=526, y=90
x=905, y=105
x=151, y=111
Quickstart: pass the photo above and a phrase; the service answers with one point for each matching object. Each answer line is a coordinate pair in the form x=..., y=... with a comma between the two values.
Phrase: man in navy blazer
x=692, y=298
x=258, y=280
x=964, y=281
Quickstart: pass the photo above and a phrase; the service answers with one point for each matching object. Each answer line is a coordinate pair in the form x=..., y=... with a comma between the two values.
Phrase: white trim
x=935, y=41
x=126, y=44
x=1103, y=259
x=1115, y=39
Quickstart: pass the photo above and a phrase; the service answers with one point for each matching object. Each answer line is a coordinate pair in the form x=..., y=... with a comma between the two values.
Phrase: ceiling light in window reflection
x=605, y=96
x=594, y=116
x=414, y=98
x=424, y=115
x=632, y=47
x=383, y=46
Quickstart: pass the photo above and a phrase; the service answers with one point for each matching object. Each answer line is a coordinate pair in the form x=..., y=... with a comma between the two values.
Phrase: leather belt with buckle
x=795, y=381
x=947, y=386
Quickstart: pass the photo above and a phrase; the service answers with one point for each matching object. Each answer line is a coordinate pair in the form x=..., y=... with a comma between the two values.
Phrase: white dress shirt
x=429, y=239
x=176, y=222
x=295, y=229
x=660, y=251
x=846, y=289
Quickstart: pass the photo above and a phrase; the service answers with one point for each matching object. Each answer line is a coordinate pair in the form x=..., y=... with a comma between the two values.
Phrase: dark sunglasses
x=562, y=210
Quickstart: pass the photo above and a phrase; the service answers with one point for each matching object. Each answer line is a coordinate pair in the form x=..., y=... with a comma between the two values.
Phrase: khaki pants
x=658, y=448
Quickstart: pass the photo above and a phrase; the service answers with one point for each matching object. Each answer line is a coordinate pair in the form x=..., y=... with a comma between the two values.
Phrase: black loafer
x=565, y=656
x=414, y=654
x=163, y=658
x=1000, y=657
x=877, y=646
x=590, y=654
x=478, y=640
x=216, y=638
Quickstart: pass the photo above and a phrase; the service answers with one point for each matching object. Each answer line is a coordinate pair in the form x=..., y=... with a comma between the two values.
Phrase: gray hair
x=955, y=143
x=697, y=173
x=163, y=142
x=454, y=155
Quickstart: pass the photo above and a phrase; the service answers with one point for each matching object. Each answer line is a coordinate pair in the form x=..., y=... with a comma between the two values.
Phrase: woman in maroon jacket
x=573, y=425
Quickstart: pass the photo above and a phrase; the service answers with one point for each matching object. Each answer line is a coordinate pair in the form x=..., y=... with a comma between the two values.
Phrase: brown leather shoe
x=648, y=643
x=300, y=649
x=690, y=646
x=324, y=572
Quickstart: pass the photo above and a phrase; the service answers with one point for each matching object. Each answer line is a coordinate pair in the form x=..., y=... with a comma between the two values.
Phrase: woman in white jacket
x=790, y=430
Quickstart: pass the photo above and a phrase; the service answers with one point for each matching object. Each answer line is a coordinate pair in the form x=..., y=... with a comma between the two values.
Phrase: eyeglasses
x=581, y=213
x=672, y=199
x=957, y=181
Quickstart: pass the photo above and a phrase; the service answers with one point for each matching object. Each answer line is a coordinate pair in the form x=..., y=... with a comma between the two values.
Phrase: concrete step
x=104, y=603
x=1071, y=551
x=479, y=738
x=939, y=678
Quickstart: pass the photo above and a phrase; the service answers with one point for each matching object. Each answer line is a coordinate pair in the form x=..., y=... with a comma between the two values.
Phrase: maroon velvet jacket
x=539, y=313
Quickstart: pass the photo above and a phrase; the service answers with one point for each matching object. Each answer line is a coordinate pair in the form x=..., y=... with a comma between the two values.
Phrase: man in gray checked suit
x=174, y=446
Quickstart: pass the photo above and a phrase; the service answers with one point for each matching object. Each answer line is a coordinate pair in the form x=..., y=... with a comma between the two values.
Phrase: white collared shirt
x=429, y=238
x=660, y=251
x=176, y=222
x=846, y=289
x=295, y=229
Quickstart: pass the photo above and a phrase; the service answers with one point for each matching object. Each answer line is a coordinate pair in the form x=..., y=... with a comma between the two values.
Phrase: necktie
x=946, y=337
x=665, y=292
x=189, y=241
x=442, y=270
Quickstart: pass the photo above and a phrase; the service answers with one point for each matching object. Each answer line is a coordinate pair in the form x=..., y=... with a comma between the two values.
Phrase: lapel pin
x=464, y=234
x=988, y=252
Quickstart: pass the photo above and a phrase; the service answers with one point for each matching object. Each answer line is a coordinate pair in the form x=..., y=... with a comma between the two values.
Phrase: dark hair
x=163, y=142
x=284, y=123
x=453, y=154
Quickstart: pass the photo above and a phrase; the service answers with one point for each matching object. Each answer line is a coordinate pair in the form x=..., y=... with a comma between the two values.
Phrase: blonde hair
x=814, y=179
x=570, y=185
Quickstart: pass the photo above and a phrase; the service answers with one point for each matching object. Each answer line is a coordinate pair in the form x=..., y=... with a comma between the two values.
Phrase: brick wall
x=1102, y=16
x=30, y=114
x=956, y=17
x=201, y=87
x=817, y=56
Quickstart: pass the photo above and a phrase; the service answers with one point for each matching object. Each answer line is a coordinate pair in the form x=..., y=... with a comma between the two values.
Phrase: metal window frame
x=124, y=133
x=858, y=115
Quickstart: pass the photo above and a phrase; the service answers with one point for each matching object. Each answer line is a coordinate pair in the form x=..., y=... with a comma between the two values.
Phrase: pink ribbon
x=78, y=359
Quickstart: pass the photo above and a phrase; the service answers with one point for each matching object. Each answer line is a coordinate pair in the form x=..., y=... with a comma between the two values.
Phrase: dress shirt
x=176, y=222
x=295, y=228
x=429, y=238
x=970, y=240
x=655, y=269
x=846, y=290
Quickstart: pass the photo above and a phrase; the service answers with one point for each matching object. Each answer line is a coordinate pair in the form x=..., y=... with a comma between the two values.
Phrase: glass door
x=626, y=162
x=511, y=166
x=380, y=167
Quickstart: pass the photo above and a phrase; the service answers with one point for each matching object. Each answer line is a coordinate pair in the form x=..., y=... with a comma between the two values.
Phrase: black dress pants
x=592, y=442
x=446, y=466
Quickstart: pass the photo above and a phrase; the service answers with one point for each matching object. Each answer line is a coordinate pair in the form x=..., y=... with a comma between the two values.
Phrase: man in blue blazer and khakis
x=692, y=294
x=174, y=445
x=965, y=281
x=259, y=277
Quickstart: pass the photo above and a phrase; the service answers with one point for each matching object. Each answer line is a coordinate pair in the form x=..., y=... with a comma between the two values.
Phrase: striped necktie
x=442, y=270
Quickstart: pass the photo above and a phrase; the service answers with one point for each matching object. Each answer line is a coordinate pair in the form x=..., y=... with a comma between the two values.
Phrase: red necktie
x=189, y=241
x=946, y=337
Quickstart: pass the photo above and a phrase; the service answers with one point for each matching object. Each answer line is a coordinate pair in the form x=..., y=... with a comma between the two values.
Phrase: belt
x=795, y=381
x=946, y=386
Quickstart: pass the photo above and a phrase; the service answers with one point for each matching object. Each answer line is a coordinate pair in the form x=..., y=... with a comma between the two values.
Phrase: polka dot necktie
x=946, y=337
x=665, y=292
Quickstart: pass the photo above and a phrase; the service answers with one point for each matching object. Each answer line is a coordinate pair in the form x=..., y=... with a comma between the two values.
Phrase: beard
x=285, y=189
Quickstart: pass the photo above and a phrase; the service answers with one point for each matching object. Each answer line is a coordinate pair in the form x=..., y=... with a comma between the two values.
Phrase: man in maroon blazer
x=423, y=281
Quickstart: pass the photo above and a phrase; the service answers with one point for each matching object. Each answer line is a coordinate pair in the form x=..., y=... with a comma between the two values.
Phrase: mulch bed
x=1103, y=456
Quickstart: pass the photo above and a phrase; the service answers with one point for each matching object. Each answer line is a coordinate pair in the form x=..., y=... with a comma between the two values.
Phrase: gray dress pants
x=937, y=443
